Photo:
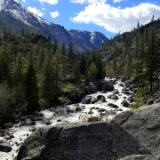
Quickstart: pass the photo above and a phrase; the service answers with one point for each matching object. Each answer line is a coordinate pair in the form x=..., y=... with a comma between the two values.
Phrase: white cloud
x=88, y=1
x=117, y=1
x=51, y=2
x=54, y=14
x=36, y=11
x=117, y=19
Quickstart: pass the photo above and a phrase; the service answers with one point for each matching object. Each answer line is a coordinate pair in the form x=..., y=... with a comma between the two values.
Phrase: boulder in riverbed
x=125, y=103
x=101, y=98
x=112, y=105
x=113, y=97
x=89, y=100
x=150, y=101
x=5, y=146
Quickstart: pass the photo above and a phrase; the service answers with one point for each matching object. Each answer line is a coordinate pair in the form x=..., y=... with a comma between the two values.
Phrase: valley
x=70, y=94
x=97, y=107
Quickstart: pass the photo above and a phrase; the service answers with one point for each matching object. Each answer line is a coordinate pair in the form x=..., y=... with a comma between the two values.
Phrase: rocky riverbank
x=114, y=96
x=132, y=135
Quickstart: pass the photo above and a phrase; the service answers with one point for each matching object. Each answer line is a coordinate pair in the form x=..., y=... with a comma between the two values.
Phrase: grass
x=63, y=99
x=69, y=87
x=138, y=99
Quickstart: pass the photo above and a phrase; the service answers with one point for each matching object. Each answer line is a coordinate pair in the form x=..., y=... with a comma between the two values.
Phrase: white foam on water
x=51, y=117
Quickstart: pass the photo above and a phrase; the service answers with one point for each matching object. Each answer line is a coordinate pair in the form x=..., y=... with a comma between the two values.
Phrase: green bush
x=67, y=88
x=63, y=100
x=93, y=119
x=138, y=99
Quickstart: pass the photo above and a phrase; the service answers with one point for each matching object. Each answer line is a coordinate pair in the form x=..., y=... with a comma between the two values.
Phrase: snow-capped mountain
x=88, y=40
x=16, y=17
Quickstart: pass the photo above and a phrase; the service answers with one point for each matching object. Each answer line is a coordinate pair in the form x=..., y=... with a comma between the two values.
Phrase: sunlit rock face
x=87, y=141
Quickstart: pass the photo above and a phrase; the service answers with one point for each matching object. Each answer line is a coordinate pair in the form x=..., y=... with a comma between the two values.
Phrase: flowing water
x=75, y=113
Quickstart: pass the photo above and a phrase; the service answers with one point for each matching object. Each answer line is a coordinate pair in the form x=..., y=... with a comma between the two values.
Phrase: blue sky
x=107, y=16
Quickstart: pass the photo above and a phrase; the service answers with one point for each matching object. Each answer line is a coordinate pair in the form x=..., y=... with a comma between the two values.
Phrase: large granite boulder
x=139, y=157
x=83, y=142
x=144, y=126
x=96, y=141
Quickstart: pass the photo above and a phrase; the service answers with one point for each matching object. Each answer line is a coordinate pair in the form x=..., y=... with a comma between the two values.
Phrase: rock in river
x=4, y=146
x=132, y=135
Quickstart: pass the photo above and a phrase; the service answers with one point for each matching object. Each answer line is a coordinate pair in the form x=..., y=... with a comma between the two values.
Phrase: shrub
x=93, y=119
x=138, y=99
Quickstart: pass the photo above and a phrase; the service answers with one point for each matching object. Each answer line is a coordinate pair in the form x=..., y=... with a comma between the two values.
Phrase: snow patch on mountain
x=93, y=37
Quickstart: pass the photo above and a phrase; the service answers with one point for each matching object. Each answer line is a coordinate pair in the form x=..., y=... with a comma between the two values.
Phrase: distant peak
x=6, y=3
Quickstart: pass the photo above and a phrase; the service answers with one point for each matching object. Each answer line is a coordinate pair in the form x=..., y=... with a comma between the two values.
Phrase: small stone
x=59, y=120
x=78, y=109
x=125, y=103
x=112, y=105
x=101, y=110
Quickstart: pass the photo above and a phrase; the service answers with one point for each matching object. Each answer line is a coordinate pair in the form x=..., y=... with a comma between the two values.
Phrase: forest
x=136, y=54
x=36, y=73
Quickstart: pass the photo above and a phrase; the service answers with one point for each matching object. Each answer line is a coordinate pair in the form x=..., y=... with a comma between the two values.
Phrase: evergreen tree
x=71, y=53
x=55, y=47
x=18, y=78
x=5, y=75
x=47, y=81
x=92, y=72
x=31, y=90
x=97, y=60
x=139, y=67
x=83, y=64
x=64, y=60
x=57, y=73
x=152, y=61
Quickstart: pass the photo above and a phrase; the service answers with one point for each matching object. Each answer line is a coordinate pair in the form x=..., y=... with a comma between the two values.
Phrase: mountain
x=121, y=52
x=16, y=17
x=88, y=40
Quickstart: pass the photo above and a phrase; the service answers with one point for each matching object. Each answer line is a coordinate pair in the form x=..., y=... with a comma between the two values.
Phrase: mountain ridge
x=16, y=16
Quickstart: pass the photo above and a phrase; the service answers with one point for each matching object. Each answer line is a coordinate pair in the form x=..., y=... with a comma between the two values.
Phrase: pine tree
x=58, y=74
x=18, y=78
x=5, y=75
x=83, y=64
x=31, y=90
x=97, y=59
x=47, y=86
x=139, y=67
x=64, y=60
x=152, y=61
x=71, y=53
x=92, y=72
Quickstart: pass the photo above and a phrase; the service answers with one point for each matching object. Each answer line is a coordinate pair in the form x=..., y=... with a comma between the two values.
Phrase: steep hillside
x=121, y=52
